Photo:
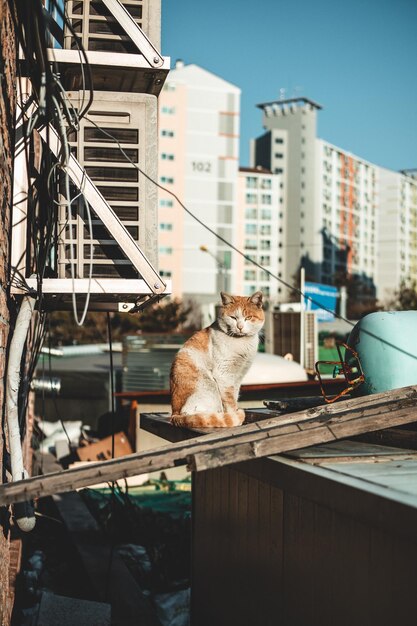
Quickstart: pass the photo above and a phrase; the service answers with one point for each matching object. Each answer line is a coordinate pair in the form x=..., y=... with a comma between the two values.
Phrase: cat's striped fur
x=208, y=370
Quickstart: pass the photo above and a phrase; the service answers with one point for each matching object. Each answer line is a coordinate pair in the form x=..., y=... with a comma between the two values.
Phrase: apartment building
x=397, y=231
x=260, y=232
x=199, y=116
x=330, y=196
x=347, y=199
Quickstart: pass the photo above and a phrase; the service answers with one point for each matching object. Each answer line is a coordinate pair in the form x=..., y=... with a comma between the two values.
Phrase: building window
x=251, y=182
x=266, y=198
x=168, y=110
x=166, y=203
x=266, y=183
x=266, y=214
x=265, y=260
x=167, y=157
x=278, y=155
x=251, y=229
x=167, y=133
x=249, y=275
x=265, y=229
x=279, y=140
x=278, y=170
x=251, y=244
x=165, y=226
x=167, y=179
x=250, y=197
x=165, y=273
x=265, y=244
x=249, y=289
x=165, y=250
x=251, y=214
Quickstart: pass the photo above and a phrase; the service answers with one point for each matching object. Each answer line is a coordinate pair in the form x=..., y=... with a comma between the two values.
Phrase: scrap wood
x=102, y=449
x=226, y=446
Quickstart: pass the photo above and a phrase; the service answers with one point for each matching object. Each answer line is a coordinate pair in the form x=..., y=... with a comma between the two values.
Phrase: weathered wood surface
x=227, y=446
x=349, y=450
x=399, y=438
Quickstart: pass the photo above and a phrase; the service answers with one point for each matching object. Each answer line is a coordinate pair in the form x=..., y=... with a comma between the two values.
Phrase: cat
x=207, y=371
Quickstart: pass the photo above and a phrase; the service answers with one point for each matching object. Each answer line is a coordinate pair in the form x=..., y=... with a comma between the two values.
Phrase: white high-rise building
x=260, y=232
x=330, y=196
x=199, y=117
x=397, y=232
x=346, y=214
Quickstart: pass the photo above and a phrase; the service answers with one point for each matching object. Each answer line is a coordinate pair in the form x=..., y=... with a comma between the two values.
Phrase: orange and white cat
x=208, y=370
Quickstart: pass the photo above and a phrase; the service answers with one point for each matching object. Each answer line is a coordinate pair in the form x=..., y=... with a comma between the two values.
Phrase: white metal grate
x=99, y=31
x=131, y=195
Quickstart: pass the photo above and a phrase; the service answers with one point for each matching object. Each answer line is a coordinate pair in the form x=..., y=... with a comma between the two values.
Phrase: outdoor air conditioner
x=283, y=335
x=98, y=30
x=132, y=120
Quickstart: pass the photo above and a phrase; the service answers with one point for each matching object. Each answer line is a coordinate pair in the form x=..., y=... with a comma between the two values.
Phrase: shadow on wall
x=334, y=270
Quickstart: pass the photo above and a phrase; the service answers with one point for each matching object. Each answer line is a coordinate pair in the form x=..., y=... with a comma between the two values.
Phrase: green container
x=386, y=343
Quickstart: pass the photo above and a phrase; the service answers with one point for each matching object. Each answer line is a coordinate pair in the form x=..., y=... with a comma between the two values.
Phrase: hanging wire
x=209, y=229
x=52, y=391
x=112, y=423
x=237, y=250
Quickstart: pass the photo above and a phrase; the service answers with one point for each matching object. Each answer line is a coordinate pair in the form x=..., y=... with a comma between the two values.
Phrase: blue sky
x=357, y=58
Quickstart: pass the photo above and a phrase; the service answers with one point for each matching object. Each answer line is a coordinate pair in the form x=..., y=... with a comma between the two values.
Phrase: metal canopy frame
x=135, y=33
x=150, y=287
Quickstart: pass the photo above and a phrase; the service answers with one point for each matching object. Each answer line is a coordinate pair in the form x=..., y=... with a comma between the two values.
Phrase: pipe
x=23, y=511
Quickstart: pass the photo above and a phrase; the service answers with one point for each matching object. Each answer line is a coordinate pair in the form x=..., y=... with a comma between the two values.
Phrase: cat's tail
x=210, y=420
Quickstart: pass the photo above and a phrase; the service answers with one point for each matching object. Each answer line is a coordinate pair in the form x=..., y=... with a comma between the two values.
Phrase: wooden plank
x=348, y=448
x=228, y=446
x=399, y=438
x=353, y=452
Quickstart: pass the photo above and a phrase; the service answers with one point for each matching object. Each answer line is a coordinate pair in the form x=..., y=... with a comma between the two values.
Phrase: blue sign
x=323, y=296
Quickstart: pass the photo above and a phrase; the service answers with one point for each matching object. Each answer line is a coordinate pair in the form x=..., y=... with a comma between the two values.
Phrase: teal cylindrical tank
x=386, y=343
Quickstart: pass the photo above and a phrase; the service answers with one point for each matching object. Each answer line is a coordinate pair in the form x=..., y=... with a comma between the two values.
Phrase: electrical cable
x=80, y=321
x=212, y=231
x=52, y=391
x=112, y=422
x=237, y=250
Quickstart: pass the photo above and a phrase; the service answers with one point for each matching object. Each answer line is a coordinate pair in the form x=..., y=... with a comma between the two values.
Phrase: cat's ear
x=226, y=298
x=256, y=299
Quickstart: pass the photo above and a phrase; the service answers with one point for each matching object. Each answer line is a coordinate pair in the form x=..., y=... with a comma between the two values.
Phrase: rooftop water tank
x=386, y=343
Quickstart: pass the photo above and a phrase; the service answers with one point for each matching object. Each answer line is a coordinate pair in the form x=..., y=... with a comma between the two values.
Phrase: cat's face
x=241, y=316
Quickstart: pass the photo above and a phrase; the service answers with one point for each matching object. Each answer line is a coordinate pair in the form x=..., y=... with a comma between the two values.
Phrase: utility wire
x=211, y=230
x=238, y=251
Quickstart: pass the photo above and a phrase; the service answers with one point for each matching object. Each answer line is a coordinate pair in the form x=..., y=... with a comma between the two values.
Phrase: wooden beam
x=227, y=446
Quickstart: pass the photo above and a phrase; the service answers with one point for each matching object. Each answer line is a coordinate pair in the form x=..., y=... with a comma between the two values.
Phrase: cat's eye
x=233, y=317
x=249, y=317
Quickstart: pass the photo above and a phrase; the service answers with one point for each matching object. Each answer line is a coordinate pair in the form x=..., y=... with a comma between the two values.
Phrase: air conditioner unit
x=283, y=335
x=121, y=42
x=49, y=239
x=98, y=30
x=131, y=119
